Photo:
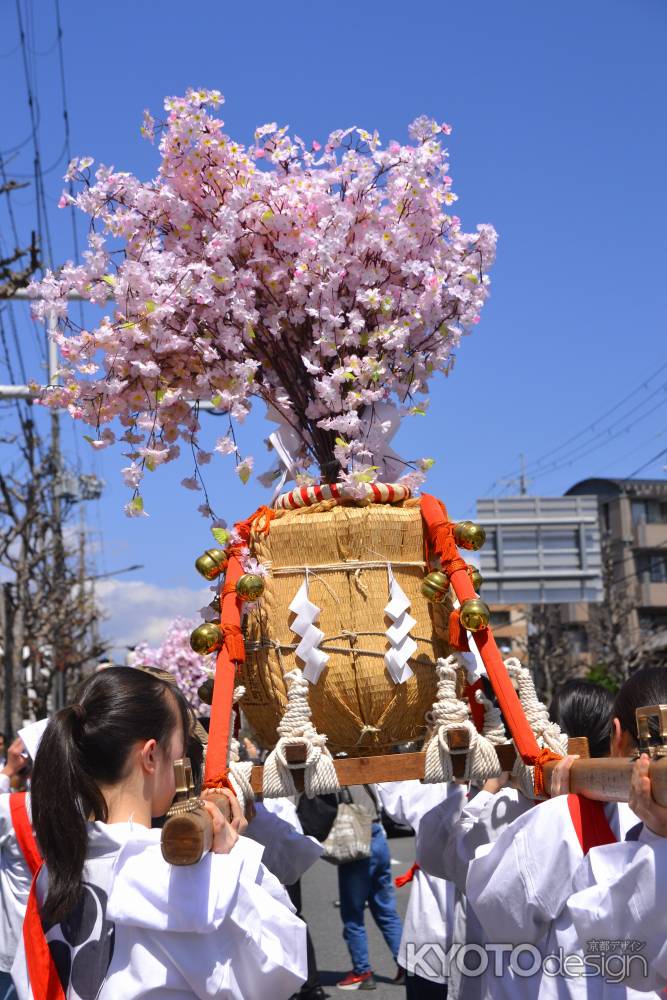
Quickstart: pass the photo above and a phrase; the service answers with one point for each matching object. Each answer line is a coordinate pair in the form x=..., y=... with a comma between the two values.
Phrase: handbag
x=351, y=833
x=317, y=815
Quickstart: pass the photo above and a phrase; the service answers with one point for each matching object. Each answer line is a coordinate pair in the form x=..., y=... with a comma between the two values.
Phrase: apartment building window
x=606, y=517
x=652, y=621
x=500, y=619
x=649, y=511
x=652, y=566
x=577, y=639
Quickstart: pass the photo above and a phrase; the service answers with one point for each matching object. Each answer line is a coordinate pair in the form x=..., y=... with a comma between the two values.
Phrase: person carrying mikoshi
x=519, y=886
x=446, y=845
x=19, y=855
x=108, y=917
x=621, y=891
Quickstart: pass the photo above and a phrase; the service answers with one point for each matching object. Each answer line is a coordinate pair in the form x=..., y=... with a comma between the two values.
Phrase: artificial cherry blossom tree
x=331, y=281
x=175, y=656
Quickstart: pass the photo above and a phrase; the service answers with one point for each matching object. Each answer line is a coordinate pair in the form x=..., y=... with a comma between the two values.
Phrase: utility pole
x=7, y=609
x=58, y=558
x=521, y=481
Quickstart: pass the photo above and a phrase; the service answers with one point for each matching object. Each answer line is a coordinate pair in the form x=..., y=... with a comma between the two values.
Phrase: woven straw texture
x=355, y=701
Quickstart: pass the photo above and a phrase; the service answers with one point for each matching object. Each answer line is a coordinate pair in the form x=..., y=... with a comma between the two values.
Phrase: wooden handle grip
x=607, y=779
x=187, y=837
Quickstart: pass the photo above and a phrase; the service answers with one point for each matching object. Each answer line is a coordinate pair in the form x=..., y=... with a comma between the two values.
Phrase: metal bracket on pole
x=28, y=391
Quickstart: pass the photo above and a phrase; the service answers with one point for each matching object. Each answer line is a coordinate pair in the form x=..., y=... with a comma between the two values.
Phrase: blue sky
x=560, y=140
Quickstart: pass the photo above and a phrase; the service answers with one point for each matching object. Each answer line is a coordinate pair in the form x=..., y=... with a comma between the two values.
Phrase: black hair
x=84, y=745
x=582, y=708
x=647, y=686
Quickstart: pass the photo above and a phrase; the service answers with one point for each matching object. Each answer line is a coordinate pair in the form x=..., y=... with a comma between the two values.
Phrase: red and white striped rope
x=306, y=496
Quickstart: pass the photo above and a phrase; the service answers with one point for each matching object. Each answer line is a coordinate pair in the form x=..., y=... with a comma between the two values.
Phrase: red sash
x=42, y=972
x=407, y=876
x=590, y=822
x=23, y=830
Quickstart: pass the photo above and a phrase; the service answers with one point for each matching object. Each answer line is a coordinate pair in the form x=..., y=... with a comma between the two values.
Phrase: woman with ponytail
x=110, y=918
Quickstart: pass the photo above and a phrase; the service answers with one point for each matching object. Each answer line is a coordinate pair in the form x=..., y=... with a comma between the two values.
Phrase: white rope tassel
x=537, y=714
x=296, y=729
x=450, y=712
x=239, y=771
x=547, y=733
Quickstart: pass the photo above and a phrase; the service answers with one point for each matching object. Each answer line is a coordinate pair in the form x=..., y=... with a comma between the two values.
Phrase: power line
x=584, y=431
x=633, y=451
x=68, y=147
x=612, y=410
x=646, y=464
x=592, y=447
x=612, y=437
x=33, y=107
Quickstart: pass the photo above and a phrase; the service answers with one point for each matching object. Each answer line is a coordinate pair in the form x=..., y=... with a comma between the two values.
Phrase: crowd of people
x=509, y=897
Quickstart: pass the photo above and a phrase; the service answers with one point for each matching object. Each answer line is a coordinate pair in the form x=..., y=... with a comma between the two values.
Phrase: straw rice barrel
x=355, y=701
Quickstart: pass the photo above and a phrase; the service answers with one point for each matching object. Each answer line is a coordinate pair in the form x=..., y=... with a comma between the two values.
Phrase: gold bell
x=212, y=563
x=475, y=614
x=206, y=638
x=205, y=692
x=435, y=587
x=469, y=535
x=476, y=579
x=250, y=587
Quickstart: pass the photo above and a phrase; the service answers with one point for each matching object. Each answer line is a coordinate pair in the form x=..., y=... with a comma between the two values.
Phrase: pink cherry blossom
x=176, y=656
x=327, y=282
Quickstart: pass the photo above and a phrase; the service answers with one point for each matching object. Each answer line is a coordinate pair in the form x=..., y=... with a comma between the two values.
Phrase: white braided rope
x=296, y=729
x=547, y=733
x=450, y=712
x=537, y=713
x=239, y=777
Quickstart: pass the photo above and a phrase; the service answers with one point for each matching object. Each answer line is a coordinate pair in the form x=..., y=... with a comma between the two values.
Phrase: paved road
x=320, y=890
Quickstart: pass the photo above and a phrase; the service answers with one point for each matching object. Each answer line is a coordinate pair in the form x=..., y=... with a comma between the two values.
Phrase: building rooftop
x=641, y=488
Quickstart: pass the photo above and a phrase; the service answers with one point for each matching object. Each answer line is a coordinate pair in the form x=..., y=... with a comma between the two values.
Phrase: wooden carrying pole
x=187, y=834
x=605, y=779
x=186, y=837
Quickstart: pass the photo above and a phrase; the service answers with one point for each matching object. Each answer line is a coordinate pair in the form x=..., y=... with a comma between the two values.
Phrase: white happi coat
x=450, y=850
x=288, y=853
x=15, y=882
x=446, y=848
x=519, y=888
x=430, y=911
x=621, y=896
x=221, y=928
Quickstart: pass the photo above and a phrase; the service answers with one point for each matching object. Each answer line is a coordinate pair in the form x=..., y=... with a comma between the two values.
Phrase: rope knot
x=296, y=729
x=367, y=730
x=545, y=755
